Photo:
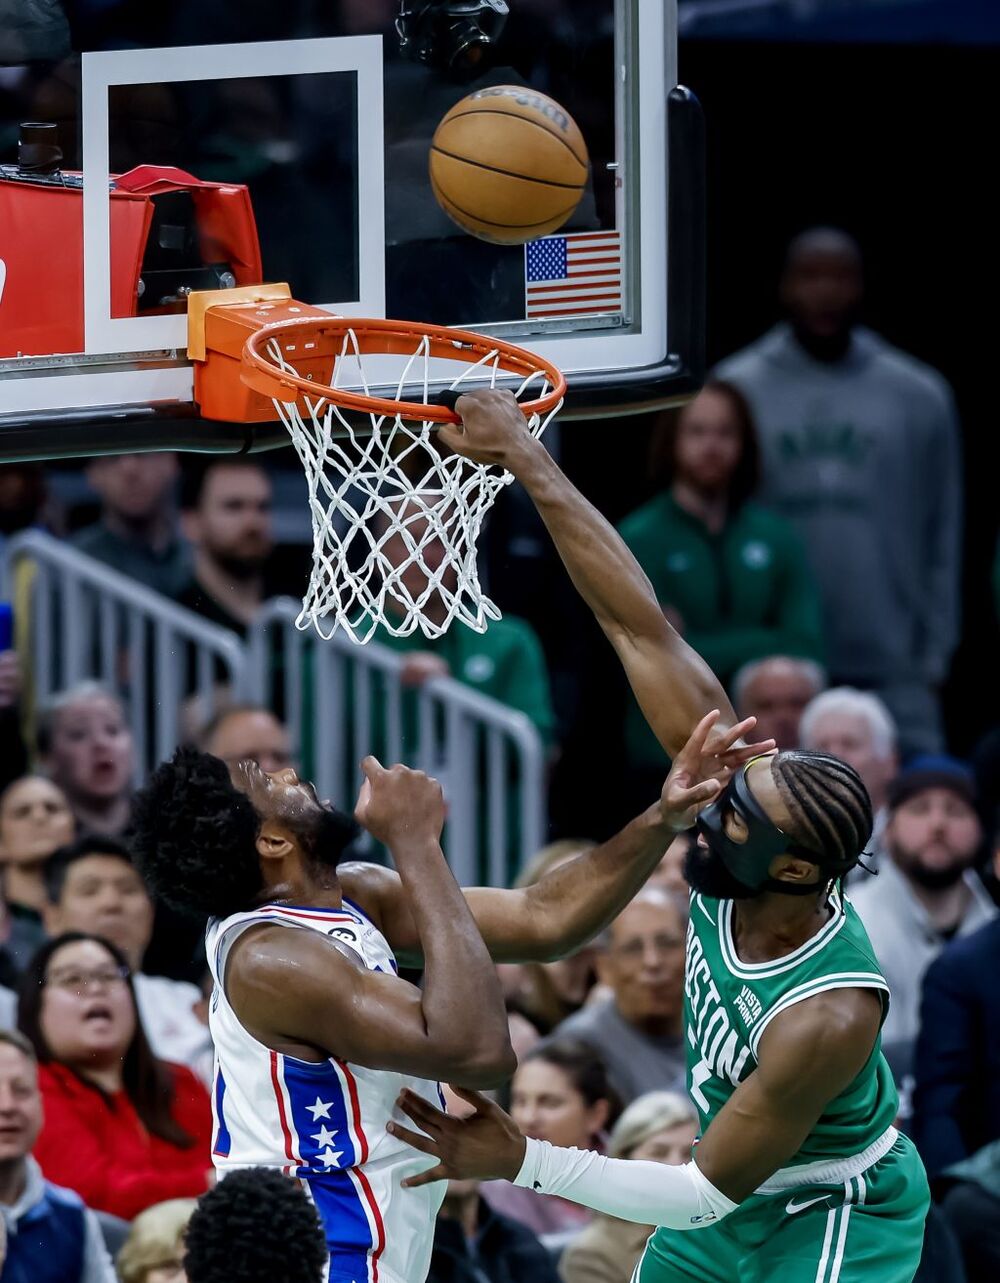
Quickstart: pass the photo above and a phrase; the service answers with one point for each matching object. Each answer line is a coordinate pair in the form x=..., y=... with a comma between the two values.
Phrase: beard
x=935, y=879
x=242, y=567
x=706, y=874
x=330, y=835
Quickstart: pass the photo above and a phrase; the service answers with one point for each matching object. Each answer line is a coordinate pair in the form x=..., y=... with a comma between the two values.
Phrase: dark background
x=896, y=144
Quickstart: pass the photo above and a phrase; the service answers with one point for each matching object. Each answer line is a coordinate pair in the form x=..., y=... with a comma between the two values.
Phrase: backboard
x=203, y=145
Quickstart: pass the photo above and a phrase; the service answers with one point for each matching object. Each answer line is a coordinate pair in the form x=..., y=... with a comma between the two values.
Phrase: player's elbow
x=486, y=1067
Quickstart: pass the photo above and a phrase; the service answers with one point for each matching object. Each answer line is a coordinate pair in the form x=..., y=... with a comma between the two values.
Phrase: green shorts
x=869, y=1229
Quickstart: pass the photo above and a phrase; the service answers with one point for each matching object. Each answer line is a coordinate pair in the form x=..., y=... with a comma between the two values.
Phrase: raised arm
x=673, y=684
x=808, y=1056
x=572, y=903
x=295, y=989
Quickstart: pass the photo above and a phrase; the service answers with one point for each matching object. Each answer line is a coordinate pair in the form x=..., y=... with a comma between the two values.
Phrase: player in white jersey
x=315, y=1031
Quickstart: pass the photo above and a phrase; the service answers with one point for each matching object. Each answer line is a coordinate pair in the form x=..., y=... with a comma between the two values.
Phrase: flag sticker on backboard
x=573, y=275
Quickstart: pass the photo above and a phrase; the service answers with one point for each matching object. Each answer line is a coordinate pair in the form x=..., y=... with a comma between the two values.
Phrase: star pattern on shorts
x=321, y=1109
x=324, y=1137
x=330, y=1159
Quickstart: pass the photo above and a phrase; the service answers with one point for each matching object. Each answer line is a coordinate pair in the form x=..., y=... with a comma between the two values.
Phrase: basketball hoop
x=395, y=518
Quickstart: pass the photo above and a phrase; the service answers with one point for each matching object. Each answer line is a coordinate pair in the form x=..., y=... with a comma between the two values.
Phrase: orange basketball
x=508, y=164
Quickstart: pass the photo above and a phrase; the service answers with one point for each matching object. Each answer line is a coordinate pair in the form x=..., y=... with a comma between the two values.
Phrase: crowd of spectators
x=804, y=536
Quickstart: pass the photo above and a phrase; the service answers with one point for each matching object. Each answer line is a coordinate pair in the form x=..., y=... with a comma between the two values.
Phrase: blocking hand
x=486, y=1146
x=702, y=768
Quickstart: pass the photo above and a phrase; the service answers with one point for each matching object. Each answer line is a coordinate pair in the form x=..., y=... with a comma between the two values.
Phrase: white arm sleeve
x=679, y=1198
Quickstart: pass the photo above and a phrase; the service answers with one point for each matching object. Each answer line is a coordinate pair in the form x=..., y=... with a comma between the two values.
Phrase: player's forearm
x=579, y=899
x=673, y=684
x=462, y=1000
x=680, y=1198
x=599, y=562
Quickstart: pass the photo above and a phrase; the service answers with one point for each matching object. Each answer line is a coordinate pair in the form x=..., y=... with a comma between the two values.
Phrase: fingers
x=746, y=752
x=422, y=1113
x=371, y=767
x=439, y=1173
x=418, y=1141
x=482, y=1104
x=695, y=746
x=452, y=434
x=364, y=799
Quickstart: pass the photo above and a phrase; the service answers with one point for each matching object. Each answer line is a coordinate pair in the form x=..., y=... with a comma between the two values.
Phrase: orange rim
x=387, y=337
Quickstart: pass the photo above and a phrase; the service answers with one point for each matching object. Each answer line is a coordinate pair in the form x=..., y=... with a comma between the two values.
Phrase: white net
x=395, y=519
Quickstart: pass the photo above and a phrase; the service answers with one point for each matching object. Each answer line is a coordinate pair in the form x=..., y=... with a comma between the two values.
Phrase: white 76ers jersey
x=325, y=1122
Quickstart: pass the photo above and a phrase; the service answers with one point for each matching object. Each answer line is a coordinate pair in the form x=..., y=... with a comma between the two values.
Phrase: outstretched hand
x=485, y=1146
x=493, y=429
x=702, y=768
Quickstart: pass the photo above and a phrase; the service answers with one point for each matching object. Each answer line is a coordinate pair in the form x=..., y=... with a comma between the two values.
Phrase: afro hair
x=194, y=837
x=256, y=1226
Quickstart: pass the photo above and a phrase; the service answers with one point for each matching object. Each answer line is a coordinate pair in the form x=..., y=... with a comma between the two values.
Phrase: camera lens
x=467, y=46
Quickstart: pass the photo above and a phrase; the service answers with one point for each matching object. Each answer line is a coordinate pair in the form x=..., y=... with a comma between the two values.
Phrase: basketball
x=508, y=164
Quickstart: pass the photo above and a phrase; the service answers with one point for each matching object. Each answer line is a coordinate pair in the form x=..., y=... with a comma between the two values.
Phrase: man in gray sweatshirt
x=860, y=449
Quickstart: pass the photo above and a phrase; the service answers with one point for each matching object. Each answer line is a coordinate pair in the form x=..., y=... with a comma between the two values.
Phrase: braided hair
x=830, y=809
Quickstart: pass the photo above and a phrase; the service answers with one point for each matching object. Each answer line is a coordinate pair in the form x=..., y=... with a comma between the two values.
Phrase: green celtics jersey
x=729, y=1003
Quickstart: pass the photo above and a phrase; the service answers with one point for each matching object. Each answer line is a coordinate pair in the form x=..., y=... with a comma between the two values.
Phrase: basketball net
x=395, y=518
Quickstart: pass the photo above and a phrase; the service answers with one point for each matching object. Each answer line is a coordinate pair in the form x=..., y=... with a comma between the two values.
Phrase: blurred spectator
x=137, y=531
x=92, y=888
x=559, y=1093
x=547, y=992
x=957, y=1068
x=475, y=1244
x=972, y=1206
x=637, y=1032
x=857, y=727
x=248, y=732
x=256, y=1226
x=13, y=751
x=85, y=745
x=226, y=517
x=926, y=892
x=123, y=1129
x=35, y=820
x=660, y=1127
x=777, y=691
x=51, y=1236
x=861, y=449
x=730, y=575
x=23, y=498
x=505, y=662
x=154, y=1249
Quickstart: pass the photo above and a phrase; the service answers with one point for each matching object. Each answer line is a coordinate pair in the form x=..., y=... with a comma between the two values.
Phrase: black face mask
x=706, y=874
x=744, y=866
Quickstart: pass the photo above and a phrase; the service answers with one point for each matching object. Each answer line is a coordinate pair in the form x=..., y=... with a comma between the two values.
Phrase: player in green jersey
x=799, y=1174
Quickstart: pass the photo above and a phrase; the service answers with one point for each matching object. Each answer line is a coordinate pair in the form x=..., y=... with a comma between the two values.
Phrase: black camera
x=452, y=35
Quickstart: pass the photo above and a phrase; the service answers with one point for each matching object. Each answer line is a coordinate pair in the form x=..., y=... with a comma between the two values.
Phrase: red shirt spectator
x=122, y=1129
x=97, y=1145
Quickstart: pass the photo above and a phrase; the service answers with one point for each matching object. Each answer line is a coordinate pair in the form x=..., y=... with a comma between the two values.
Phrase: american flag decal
x=573, y=275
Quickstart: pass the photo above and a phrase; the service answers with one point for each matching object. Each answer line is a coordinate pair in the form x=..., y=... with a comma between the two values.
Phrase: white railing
x=342, y=701
x=88, y=622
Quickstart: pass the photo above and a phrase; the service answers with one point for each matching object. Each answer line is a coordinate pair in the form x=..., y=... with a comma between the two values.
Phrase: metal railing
x=342, y=701
x=88, y=622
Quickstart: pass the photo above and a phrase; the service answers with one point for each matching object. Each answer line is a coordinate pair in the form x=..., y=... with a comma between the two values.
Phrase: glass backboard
x=200, y=146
